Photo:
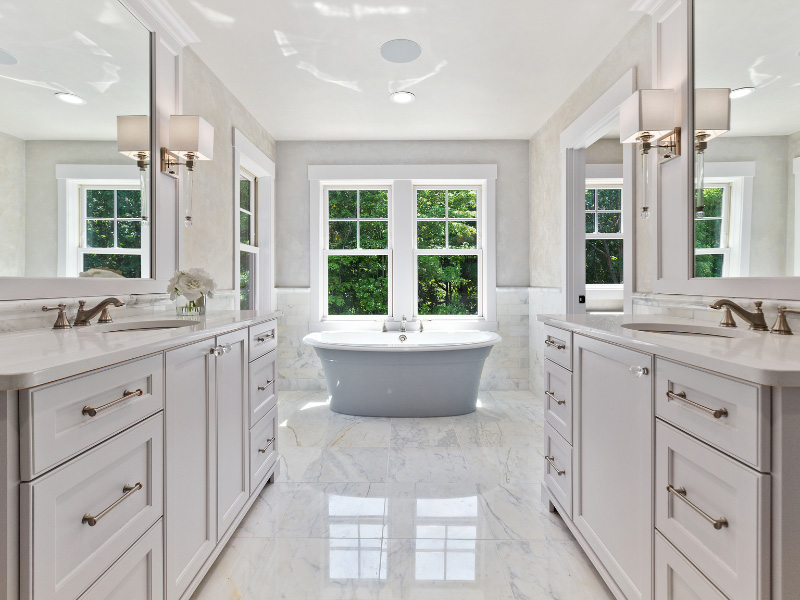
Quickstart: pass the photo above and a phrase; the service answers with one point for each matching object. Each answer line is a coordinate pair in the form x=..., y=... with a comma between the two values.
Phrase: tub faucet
x=403, y=325
x=755, y=319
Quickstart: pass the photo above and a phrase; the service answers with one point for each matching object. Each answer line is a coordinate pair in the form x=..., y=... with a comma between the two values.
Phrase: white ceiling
x=93, y=48
x=742, y=43
x=489, y=69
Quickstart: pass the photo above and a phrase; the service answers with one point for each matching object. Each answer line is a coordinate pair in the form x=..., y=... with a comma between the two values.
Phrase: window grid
x=248, y=253
x=594, y=186
x=596, y=234
x=723, y=249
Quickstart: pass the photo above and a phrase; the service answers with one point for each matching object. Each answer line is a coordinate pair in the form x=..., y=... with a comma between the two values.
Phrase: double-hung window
x=448, y=256
x=357, y=258
x=248, y=241
x=413, y=241
x=112, y=235
x=604, y=238
x=711, y=228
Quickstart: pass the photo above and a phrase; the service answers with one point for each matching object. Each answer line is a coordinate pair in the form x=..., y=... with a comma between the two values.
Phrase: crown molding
x=648, y=6
x=161, y=13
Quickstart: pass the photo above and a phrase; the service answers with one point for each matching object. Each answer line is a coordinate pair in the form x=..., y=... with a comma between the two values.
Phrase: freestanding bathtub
x=393, y=374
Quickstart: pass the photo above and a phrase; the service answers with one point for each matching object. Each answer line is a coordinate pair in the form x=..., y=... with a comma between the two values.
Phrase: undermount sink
x=144, y=326
x=689, y=330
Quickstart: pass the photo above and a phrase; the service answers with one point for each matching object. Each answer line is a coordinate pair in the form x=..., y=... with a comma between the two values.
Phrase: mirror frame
x=673, y=67
x=168, y=35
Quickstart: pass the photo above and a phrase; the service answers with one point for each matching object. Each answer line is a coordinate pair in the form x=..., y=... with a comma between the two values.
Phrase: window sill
x=428, y=325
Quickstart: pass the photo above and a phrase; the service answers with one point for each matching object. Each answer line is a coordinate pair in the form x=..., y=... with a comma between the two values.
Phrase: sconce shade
x=646, y=112
x=191, y=134
x=712, y=111
x=133, y=135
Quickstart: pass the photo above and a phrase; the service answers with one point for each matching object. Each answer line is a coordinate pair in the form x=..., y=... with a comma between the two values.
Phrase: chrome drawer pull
x=264, y=338
x=716, y=413
x=127, y=491
x=681, y=493
x=266, y=385
x=126, y=395
x=265, y=448
x=550, y=459
x=553, y=398
x=555, y=345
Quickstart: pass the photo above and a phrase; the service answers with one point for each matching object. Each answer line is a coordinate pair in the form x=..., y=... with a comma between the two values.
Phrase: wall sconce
x=647, y=118
x=190, y=138
x=133, y=140
x=712, y=117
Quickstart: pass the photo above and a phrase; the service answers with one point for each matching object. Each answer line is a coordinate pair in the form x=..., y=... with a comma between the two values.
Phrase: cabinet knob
x=217, y=351
x=639, y=371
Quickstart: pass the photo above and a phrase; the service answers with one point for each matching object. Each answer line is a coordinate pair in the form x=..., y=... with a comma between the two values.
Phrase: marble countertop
x=763, y=358
x=31, y=358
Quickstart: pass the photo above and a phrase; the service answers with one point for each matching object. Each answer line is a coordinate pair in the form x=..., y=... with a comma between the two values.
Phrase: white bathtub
x=393, y=374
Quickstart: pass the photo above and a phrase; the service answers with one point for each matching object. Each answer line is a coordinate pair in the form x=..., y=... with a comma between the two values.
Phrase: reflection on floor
x=396, y=509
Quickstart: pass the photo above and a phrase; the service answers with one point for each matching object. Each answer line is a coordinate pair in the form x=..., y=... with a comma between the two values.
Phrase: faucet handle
x=61, y=322
x=727, y=318
x=781, y=326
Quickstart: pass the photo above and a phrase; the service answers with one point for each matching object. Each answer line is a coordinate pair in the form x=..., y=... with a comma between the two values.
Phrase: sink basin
x=144, y=326
x=690, y=330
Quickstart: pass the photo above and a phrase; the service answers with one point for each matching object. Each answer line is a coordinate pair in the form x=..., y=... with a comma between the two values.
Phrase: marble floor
x=392, y=509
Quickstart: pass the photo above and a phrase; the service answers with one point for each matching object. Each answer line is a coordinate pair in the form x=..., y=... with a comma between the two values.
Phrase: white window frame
x=402, y=179
x=328, y=252
x=724, y=248
x=606, y=291
x=478, y=251
x=247, y=157
x=253, y=247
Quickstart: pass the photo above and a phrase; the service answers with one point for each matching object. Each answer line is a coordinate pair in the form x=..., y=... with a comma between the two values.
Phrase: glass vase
x=191, y=308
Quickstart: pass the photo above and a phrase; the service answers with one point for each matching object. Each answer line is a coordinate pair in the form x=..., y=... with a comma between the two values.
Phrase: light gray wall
x=12, y=206
x=604, y=152
x=791, y=234
x=210, y=242
x=293, y=243
x=41, y=224
x=768, y=244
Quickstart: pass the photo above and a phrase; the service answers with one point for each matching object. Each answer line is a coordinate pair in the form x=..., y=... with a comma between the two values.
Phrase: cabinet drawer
x=137, y=575
x=558, y=399
x=262, y=386
x=66, y=553
x=263, y=338
x=735, y=555
x=263, y=447
x=678, y=579
x=740, y=425
x=558, y=346
x=558, y=473
x=57, y=423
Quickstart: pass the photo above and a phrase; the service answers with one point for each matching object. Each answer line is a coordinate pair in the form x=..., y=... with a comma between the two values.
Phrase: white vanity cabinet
x=679, y=482
x=126, y=482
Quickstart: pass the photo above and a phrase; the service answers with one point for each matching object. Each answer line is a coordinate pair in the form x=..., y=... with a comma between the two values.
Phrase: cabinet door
x=233, y=416
x=612, y=467
x=191, y=452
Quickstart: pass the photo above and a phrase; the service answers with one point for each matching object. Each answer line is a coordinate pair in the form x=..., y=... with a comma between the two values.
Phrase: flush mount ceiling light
x=401, y=51
x=402, y=97
x=70, y=98
x=741, y=92
x=6, y=58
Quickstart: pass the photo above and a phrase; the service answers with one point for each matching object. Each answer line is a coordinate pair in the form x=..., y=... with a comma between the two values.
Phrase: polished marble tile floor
x=390, y=509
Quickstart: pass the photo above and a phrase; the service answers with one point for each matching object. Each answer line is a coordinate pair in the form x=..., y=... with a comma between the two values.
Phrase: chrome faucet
x=755, y=319
x=84, y=317
x=403, y=325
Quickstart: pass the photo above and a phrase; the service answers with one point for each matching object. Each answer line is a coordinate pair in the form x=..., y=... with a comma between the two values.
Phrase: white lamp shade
x=712, y=111
x=646, y=112
x=133, y=135
x=191, y=134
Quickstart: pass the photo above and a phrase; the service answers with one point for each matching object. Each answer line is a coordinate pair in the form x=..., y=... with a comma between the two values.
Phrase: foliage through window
x=111, y=233
x=604, y=235
x=357, y=258
x=712, y=250
x=448, y=255
x=248, y=242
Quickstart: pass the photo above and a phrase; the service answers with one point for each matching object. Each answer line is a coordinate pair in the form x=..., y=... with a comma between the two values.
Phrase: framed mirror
x=75, y=199
x=746, y=206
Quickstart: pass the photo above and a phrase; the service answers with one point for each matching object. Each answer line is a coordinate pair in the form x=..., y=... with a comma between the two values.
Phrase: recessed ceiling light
x=70, y=98
x=401, y=51
x=741, y=92
x=6, y=58
x=403, y=97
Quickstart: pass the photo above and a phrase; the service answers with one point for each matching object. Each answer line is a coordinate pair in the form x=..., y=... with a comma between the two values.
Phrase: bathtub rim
x=312, y=339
